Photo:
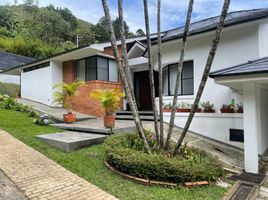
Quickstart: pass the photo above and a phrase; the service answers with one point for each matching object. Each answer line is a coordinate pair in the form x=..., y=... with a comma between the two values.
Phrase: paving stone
x=70, y=140
x=39, y=177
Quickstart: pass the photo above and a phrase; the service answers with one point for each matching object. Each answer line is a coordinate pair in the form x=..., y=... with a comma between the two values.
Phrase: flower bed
x=125, y=152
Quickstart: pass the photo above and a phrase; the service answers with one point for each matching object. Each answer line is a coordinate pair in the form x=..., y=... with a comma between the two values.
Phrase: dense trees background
x=29, y=30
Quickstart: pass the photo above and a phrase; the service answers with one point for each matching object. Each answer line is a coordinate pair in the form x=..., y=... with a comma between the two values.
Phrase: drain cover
x=242, y=192
x=249, y=177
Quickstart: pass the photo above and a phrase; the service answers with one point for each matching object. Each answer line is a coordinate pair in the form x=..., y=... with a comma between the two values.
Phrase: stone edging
x=149, y=182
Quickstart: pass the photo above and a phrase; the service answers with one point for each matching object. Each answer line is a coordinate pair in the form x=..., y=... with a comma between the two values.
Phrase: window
x=35, y=67
x=187, y=79
x=96, y=68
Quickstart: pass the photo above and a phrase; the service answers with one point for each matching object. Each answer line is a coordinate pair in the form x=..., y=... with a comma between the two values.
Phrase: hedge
x=123, y=154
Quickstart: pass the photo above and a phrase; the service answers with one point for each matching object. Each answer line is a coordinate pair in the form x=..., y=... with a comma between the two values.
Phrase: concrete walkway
x=56, y=113
x=41, y=178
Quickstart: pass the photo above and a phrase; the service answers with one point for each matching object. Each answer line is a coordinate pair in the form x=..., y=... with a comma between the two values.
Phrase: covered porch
x=251, y=81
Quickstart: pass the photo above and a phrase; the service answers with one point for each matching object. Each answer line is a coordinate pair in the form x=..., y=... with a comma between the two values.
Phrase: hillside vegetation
x=38, y=32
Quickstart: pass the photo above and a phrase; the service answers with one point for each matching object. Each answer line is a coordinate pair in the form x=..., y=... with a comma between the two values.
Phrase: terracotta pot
x=69, y=118
x=240, y=111
x=109, y=121
x=209, y=111
x=183, y=110
x=227, y=110
x=198, y=110
x=166, y=110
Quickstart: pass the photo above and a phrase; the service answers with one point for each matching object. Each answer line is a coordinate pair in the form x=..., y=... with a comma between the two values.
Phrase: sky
x=172, y=15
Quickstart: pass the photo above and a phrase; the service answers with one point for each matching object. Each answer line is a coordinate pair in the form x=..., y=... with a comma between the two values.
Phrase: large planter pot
x=109, y=121
x=209, y=111
x=183, y=110
x=198, y=110
x=227, y=110
x=166, y=109
x=69, y=118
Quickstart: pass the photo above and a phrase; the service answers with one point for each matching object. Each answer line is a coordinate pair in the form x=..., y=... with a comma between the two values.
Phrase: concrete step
x=70, y=141
x=96, y=126
x=130, y=117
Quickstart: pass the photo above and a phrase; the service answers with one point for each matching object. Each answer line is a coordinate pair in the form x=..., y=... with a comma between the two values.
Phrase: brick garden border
x=149, y=182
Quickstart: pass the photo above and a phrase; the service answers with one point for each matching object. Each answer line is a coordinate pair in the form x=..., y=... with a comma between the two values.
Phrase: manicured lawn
x=88, y=163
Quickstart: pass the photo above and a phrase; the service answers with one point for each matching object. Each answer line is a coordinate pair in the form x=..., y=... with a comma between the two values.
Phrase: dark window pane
x=102, y=74
x=165, y=81
x=91, y=62
x=187, y=71
x=102, y=63
x=91, y=74
x=188, y=86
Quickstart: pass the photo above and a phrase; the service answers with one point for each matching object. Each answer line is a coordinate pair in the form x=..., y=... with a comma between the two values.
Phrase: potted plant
x=63, y=97
x=227, y=108
x=167, y=107
x=110, y=101
x=240, y=108
x=183, y=107
x=208, y=107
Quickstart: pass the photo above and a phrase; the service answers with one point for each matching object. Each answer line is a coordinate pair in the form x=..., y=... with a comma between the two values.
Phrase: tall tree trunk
x=124, y=77
x=209, y=62
x=160, y=75
x=178, y=78
x=151, y=68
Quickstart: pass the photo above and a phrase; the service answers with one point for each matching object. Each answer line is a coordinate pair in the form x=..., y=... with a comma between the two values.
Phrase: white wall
x=263, y=138
x=215, y=126
x=9, y=79
x=236, y=46
x=263, y=40
x=36, y=85
x=56, y=77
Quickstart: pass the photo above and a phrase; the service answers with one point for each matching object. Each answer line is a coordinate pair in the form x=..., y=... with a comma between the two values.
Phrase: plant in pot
x=183, y=107
x=167, y=107
x=198, y=109
x=63, y=97
x=208, y=107
x=239, y=108
x=110, y=101
x=227, y=108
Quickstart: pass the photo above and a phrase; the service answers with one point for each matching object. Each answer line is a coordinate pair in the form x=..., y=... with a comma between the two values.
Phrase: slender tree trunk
x=151, y=68
x=160, y=75
x=209, y=62
x=178, y=78
x=124, y=49
x=123, y=76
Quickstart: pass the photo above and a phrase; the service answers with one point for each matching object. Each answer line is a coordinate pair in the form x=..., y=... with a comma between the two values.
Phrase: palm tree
x=124, y=78
x=209, y=62
x=178, y=78
x=67, y=91
x=151, y=69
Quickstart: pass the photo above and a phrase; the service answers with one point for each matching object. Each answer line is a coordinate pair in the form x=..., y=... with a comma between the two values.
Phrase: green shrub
x=9, y=89
x=8, y=103
x=21, y=107
x=123, y=154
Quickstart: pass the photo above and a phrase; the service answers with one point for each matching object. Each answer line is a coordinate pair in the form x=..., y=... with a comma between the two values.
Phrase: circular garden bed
x=125, y=153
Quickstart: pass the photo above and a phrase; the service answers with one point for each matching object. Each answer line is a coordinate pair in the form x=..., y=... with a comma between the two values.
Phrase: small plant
x=110, y=101
x=183, y=107
x=167, y=107
x=21, y=108
x=239, y=108
x=227, y=108
x=32, y=113
x=8, y=103
x=208, y=107
x=43, y=120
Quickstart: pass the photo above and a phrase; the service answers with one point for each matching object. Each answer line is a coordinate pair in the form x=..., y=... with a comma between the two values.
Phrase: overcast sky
x=173, y=11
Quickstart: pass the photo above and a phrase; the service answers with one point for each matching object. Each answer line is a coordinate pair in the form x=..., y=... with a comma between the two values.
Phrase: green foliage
x=9, y=89
x=109, y=99
x=92, y=169
x=8, y=103
x=191, y=164
x=66, y=91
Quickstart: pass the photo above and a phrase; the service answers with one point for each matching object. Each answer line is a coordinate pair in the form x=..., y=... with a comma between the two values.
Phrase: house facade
x=245, y=37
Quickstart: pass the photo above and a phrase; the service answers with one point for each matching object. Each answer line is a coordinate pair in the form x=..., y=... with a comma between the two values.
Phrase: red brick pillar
x=69, y=71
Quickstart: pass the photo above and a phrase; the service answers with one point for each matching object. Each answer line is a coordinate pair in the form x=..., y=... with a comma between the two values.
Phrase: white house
x=245, y=37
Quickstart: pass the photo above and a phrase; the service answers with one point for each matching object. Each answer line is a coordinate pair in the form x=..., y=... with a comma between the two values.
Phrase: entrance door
x=142, y=89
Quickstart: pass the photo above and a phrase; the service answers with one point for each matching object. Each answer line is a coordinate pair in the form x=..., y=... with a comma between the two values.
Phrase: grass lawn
x=88, y=163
